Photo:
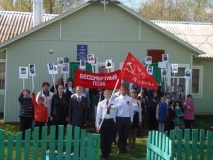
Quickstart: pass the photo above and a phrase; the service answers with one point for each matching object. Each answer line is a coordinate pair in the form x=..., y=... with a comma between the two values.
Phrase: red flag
x=133, y=71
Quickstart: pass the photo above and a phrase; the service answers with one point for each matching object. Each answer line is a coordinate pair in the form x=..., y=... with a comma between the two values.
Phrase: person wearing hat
x=188, y=114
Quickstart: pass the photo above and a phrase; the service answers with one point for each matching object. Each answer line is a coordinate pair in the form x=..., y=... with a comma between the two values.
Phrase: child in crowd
x=26, y=111
x=178, y=117
x=161, y=114
x=40, y=112
x=188, y=114
x=170, y=117
x=168, y=98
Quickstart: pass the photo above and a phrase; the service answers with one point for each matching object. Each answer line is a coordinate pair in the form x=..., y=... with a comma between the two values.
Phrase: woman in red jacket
x=40, y=112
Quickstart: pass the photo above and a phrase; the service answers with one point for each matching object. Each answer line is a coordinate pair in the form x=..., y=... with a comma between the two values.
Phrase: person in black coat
x=59, y=82
x=26, y=111
x=98, y=96
x=153, y=123
x=69, y=88
x=78, y=108
x=170, y=116
x=59, y=109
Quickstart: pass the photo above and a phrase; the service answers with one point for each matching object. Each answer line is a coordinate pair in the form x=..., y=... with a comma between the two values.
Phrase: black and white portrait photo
x=66, y=60
x=60, y=61
x=174, y=68
x=31, y=69
x=65, y=68
x=165, y=58
x=90, y=58
x=163, y=72
x=82, y=64
x=50, y=68
x=150, y=69
x=148, y=59
x=187, y=73
x=108, y=63
x=23, y=72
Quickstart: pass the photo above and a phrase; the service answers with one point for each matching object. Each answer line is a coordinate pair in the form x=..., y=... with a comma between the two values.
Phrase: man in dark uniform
x=77, y=108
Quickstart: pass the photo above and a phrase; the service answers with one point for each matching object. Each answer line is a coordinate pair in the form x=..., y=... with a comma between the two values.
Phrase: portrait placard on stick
x=174, y=68
x=187, y=73
x=55, y=69
x=108, y=63
x=60, y=61
x=50, y=68
x=66, y=60
x=32, y=70
x=65, y=68
x=23, y=72
x=150, y=69
x=90, y=58
x=163, y=72
x=82, y=64
x=165, y=58
x=148, y=59
x=161, y=65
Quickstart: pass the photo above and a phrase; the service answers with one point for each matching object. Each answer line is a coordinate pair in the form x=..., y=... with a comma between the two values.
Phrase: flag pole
x=109, y=102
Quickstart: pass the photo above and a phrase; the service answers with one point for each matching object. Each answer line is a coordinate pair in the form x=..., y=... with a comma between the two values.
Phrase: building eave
x=44, y=24
x=161, y=30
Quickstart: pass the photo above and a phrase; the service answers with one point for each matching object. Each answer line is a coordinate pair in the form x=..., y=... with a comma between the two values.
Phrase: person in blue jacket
x=161, y=114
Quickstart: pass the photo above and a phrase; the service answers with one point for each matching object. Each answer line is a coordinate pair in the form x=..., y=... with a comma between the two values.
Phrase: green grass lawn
x=202, y=122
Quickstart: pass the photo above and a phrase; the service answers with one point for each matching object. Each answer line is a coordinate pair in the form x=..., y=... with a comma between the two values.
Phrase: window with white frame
x=197, y=80
x=178, y=78
x=2, y=74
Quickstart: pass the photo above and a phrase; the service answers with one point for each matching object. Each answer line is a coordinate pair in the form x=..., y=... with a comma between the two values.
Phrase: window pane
x=2, y=75
x=181, y=73
x=195, y=80
x=102, y=69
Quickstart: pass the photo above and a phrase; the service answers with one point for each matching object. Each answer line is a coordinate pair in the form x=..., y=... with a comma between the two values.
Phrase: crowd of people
x=119, y=118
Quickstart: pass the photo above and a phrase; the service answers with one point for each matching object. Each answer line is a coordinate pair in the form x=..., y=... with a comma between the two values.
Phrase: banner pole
x=109, y=102
x=33, y=82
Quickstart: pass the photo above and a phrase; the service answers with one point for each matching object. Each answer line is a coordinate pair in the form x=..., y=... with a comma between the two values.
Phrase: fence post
x=60, y=142
x=68, y=142
x=35, y=142
x=209, y=145
x=52, y=142
x=18, y=145
x=2, y=140
x=44, y=142
x=93, y=147
x=194, y=143
x=10, y=146
x=83, y=144
x=27, y=144
x=202, y=139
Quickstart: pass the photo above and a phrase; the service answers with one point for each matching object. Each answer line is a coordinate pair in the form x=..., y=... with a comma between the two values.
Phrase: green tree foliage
x=178, y=10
